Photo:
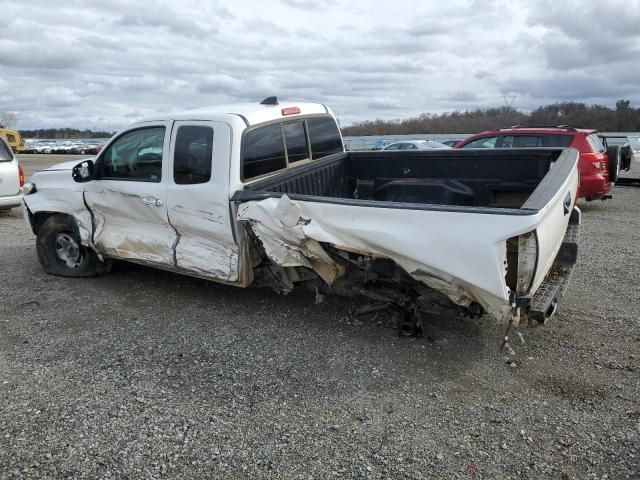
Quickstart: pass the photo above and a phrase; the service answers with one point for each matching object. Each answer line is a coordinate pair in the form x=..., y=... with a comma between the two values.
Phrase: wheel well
x=38, y=219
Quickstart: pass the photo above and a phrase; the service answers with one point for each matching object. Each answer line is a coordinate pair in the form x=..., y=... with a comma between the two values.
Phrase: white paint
x=128, y=225
x=461, y=254
x=200, y=213
x=634, y=169
x=57, y=192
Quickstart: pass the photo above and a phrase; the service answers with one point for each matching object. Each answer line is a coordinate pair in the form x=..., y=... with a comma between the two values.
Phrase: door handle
x=152, y=201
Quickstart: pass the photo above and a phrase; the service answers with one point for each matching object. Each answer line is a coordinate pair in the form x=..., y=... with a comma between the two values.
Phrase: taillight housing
x=20, y=175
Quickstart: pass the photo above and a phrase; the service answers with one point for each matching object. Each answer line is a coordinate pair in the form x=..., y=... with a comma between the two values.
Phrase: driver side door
x=128, y=198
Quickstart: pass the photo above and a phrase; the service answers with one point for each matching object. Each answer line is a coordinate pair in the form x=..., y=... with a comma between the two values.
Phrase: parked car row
x=412, y=144
x=63, y=148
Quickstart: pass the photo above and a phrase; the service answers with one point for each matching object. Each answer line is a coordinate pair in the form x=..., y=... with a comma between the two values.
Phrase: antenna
x=509, y=100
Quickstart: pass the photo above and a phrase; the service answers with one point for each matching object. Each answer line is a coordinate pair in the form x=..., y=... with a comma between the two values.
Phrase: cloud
x=106, y=63
x=310, y=4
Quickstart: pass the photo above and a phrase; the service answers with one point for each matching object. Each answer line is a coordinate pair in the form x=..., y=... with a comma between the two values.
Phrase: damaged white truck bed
x=265, y=195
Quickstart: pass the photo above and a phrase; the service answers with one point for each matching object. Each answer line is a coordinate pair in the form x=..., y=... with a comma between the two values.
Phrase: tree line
x=622, y=118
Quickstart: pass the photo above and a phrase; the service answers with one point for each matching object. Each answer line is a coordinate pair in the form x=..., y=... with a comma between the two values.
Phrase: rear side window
x=295, y=138
x=324, y=136
x=558, y=141
x=263, y=151
x=596, y=143
x=521, y=141
x=193, y=155
x=5, y=152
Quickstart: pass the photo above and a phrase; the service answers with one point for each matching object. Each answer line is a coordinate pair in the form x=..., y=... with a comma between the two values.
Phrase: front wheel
x=60, y=251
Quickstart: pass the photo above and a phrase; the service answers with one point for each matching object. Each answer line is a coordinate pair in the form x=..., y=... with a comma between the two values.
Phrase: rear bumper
x=543, y=304
x=594, y=186
x=10, y=201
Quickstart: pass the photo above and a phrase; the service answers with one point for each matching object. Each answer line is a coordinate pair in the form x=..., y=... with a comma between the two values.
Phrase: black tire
x=626, y=155
x=613, y=154
x=61, y=253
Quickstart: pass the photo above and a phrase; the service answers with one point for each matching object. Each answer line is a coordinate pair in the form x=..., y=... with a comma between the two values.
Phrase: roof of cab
x=252, y=113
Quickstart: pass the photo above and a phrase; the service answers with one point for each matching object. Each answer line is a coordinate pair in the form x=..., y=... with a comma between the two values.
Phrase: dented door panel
x=127, y=225
x=199, y=212
x=130, y=215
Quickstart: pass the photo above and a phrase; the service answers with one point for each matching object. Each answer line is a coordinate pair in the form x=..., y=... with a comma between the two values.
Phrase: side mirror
x=84, y=171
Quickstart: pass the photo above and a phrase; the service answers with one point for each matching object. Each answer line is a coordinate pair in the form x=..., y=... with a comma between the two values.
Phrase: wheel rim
x=67, y=250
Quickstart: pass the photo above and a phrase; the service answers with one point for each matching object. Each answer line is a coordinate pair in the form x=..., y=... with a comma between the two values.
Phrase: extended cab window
x=263, y=151
x=324, y=136
x=136, y=155
x=274, y=147
x=486, y=142
x=193, y=155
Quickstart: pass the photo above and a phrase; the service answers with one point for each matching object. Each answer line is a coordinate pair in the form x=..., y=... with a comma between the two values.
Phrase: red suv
x=599, y=166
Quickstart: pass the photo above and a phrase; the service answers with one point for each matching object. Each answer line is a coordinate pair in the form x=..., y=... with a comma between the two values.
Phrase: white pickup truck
x=265, y=195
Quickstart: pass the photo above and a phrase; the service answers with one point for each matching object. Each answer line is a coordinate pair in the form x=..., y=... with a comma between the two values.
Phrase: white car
x=634, y=170
x=417, y=145
x=11, y=178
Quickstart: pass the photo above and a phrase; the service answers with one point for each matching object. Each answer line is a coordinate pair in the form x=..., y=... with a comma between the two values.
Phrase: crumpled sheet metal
x=429, y=245
x=281, y=230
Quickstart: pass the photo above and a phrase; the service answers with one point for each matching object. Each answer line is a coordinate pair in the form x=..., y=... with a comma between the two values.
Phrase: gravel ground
x=147, y=374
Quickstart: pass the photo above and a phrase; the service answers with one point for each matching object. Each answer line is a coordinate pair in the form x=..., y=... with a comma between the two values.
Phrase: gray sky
x=103, y=64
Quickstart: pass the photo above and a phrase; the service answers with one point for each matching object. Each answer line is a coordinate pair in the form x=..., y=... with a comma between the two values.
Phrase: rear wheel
x=60, y=251
x=613, y=154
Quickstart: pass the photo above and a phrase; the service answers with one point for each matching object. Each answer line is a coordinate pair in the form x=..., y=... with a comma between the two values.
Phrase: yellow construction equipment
x=13, y=139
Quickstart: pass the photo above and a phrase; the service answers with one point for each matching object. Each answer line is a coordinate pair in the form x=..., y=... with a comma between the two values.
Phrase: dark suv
x=599, y=166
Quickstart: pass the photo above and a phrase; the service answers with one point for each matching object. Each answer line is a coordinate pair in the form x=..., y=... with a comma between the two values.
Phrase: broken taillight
x=20, y=175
